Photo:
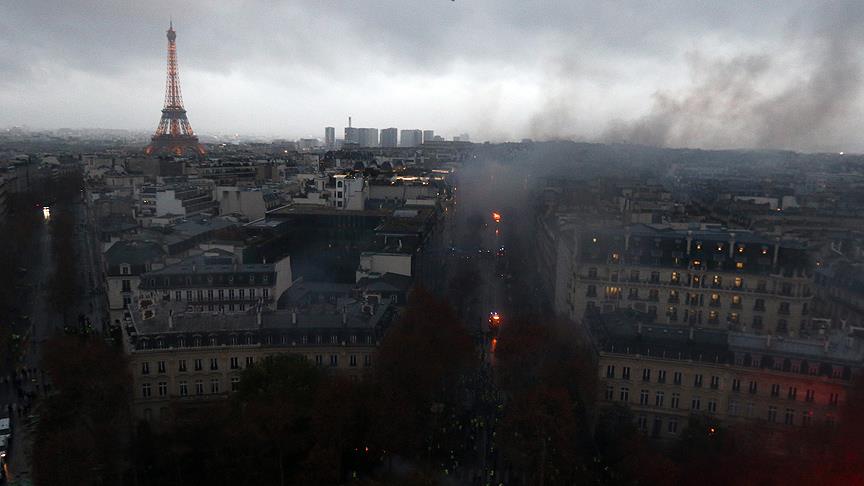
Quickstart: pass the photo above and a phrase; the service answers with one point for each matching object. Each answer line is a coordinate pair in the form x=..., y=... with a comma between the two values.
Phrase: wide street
x=18, y=394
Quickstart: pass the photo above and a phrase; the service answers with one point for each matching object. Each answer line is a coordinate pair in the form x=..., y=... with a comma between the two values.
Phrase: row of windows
x=234, y=363
x=248, y=339
x=695, y=316
x=210, y=279
x=715, y=383
x=690, y=298
x=699, y=281
x=219, y=294
x=735, y=408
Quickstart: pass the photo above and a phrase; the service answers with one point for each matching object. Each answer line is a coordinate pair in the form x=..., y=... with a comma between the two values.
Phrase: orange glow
x=494, y=344
x=496, y=217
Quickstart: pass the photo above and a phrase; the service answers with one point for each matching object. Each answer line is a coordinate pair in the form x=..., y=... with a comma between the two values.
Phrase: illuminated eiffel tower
x=174, y=134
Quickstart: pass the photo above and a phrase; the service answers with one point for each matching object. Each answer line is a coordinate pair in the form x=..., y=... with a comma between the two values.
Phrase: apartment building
x=182, y=357
x=703, y=276
x=665, y=374
x=216, y=281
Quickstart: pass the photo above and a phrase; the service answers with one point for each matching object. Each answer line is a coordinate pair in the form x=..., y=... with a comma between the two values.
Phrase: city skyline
x=676, y=75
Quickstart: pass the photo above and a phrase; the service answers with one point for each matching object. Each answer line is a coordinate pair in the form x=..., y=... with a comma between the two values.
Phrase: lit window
x=739, y=265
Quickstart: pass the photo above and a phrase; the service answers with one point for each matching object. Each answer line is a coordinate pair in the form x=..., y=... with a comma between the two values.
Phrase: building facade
x=710, y=278
x=389, y=137
x=183, y=358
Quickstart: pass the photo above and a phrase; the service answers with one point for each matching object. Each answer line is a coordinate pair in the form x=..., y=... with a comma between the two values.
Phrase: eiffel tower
x=174, y=134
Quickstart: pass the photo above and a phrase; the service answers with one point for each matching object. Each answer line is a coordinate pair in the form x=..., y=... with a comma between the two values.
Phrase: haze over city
x=694, y=74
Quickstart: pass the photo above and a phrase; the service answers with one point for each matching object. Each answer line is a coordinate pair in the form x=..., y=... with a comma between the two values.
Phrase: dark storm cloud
x=494, y=68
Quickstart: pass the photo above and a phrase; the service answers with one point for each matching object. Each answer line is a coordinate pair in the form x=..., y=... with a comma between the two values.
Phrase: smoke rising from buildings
x=756, y=100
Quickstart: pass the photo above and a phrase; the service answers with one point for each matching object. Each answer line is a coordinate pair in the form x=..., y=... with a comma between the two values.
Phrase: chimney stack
x=293, y=317
x=171, y=319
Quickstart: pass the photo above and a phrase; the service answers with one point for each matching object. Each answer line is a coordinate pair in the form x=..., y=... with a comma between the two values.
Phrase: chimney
x=690, y=337
x=768, y=341
x=349, y=122
x=171, y=319
x=293, y=317
x=258, y=317
x=639, y=328
x=344, y=316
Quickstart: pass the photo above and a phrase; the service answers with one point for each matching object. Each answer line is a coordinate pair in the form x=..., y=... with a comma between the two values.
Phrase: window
x=367, y=360
x=592, y=291
x=146, y=392
x=183, y=389
x=739, y=282
x=655, y=277
x=661, y=376
x=715, y=382
x=716, y=281
x=793, y=393
x=198, y=364
x=633, y=294
x=810, y=396
x=188, y=296
x=210, y=295
x=235, y=363
x=249, y=361
x=696, y=403
x=625, y=372
x=214, y=363
x=624, y=394
x=610, y=392
x=712, y=406
x=642, y=423
x=752, y=388
x=319, y=360
x=789, y=417
x=145, y=368
x=772, y=413
x=265, y=293
x=775, y=390
x=646, y=374
x=352, y=360
x=643, y=397
x=675, y=278
x=178, y=295
x=834, y=399
x=733, y=408
x=672, y=426
x=784, y=308
x=125, y=269
x=592, y=272
x=653, y=295
x=697, y=381
x=334, y=360
x=127, y=285
x=673, y=296
x=199, y=387
x=736, y=301
x=658, y=399
x=715, y=300
x=235, y=383
x=807, y=418
x=161, y=366
x=163, y=388
x=676, y=399
x=181, y=365
x=739, y=265
x=757, y=322
x=736, y=384
x=214, y=385
x=677, y=377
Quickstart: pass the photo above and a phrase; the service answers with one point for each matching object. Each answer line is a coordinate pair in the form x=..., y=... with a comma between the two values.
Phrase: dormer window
x=125, y=269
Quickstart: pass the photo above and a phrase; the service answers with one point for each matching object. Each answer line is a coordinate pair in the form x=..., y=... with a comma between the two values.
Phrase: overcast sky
x=700, y=74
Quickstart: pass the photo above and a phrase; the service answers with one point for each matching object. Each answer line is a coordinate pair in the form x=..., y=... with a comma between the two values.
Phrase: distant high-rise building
x=368, y=137
x=428, y=136
x=352, y=135
x=389, y=137
x=329, y=137
x=410, y=138
x=462, y=138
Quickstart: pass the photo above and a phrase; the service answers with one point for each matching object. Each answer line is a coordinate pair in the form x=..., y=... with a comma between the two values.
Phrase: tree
x=419, y=375
x=82, y=432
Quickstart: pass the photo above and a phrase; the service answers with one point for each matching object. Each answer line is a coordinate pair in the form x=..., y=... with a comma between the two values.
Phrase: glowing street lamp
x=496, y=216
